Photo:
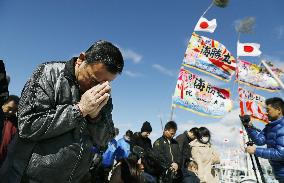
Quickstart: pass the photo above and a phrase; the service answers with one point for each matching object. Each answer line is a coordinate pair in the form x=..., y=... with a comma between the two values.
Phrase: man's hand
x=174, y=166
x=94, y=99
x=251, y=149
x=95, y=113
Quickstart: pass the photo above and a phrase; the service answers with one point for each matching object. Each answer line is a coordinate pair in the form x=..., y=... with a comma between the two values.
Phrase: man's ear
x=81, y=58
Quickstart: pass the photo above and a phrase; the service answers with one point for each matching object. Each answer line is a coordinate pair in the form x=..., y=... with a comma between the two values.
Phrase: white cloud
x=132, y=74
x=131, y=55
x=163, y=70
x=279, y=31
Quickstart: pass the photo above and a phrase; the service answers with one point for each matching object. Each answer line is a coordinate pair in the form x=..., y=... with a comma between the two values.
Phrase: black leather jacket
x=167, y=152
x=63, y=137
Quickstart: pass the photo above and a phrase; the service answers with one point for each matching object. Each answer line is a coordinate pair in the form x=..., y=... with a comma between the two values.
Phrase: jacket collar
x=171, y=140
x=69, y=70
x=276, y=122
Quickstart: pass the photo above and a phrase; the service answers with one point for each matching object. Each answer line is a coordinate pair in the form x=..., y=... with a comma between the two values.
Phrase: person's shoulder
x=55, y=65
x=136, y=134
x=180, y=136
x=194, y=143
x=120, y=141
x=148, y=139
x=174, y=142
x=282, y=121
x=158, y=141
x=50, y=67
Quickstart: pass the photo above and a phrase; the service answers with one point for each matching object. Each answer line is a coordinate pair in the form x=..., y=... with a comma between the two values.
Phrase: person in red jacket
x=9, y=108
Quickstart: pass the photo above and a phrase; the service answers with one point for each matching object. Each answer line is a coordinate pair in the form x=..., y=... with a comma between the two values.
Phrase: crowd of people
x=186, y=159
x=61, y=130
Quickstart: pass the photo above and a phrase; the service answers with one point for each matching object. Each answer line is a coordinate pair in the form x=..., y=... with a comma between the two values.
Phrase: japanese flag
x=248, y=49
x=205, y=25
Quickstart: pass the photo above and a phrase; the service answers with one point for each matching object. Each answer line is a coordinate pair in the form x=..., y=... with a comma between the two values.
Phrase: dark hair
x=171, y=125
x=203, y=132
x=152, y=164
x=14, y=98
x=116, y=131
x=129, y=133
x=276, y=103
x=126, y=172
x=194, y=130
x=106, y=53
x=190, y=164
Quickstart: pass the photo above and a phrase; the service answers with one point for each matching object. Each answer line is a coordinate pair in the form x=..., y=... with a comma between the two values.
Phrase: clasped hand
x=94, y=99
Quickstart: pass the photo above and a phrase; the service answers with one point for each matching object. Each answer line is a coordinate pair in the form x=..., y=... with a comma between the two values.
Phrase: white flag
x=205, y=25
x=248, y=49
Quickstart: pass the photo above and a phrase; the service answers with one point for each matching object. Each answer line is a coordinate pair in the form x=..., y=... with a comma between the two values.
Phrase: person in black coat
x=167, y=152
x=189, y=173
x=183, y=141
x=64, y=111
x=141, y=138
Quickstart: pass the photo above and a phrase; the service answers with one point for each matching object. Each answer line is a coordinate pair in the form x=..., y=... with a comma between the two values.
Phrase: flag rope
x=210, y=6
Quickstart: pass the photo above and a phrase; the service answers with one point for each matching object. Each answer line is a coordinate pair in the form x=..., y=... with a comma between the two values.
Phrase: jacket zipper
x=171, y=152
x=79, y=157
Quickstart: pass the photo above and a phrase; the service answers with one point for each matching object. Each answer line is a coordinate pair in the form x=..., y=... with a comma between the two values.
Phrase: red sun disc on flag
x=248, y=49
x=203, y=25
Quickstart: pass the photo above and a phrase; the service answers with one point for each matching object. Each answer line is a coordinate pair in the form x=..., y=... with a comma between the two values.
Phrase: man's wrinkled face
x=170, y=133
x=145, y=134
x=273, y=113
x=89, y=75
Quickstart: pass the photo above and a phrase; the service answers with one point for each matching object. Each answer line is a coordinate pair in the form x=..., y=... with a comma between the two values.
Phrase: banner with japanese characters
x=252, y=104
x=194, y=94
x=257, y=76
x=209, y=56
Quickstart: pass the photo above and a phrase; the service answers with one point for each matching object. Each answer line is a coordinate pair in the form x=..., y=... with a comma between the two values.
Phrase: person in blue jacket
x=272, y=136
x=108, y=159
x=110, y=153
x=124, y=146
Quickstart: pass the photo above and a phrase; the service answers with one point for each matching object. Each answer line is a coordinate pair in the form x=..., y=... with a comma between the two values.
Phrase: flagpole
x=242, y=127
x=172, y=112
x=210, y=6
x=273, y=74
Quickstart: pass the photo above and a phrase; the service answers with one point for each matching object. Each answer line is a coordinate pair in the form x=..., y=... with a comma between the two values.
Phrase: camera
x=245, y=120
